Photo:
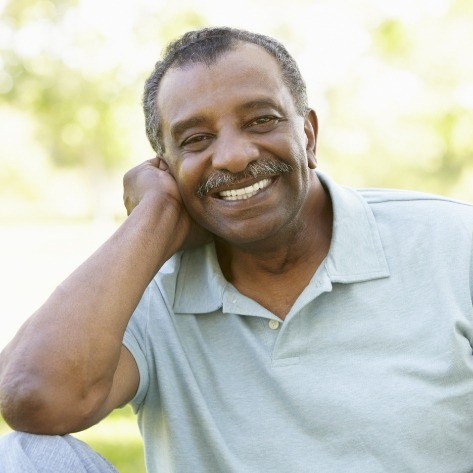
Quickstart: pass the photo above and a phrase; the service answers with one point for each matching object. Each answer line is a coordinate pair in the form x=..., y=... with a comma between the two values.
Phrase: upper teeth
x=245, y=192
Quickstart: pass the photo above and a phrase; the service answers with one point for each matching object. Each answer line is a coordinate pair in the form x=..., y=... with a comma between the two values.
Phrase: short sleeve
x=471, y=269
x=135, y=340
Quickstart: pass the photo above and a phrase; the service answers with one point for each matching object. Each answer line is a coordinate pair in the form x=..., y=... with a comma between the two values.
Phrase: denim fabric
x=27, y=453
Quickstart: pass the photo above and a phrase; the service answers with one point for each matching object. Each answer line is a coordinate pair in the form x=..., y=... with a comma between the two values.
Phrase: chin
x=247, y=234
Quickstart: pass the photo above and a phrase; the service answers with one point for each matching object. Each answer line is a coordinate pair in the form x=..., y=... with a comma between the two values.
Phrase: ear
x=166, y=164
x=311, y=128
x=162, y=163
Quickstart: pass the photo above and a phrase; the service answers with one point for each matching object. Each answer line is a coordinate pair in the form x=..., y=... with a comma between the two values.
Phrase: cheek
x=288, y=145
x=188, y=174
x=188, y=178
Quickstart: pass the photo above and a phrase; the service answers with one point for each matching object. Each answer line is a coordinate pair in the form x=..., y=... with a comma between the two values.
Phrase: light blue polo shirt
x=371, y=371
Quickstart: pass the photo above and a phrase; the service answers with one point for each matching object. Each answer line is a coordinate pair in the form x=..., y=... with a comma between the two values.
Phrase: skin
x=66, y=368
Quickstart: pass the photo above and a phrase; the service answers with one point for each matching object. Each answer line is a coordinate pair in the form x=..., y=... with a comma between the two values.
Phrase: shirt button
x=273, y=324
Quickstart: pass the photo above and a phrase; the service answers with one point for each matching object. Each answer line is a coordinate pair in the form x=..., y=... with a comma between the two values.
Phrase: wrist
x=160, y=223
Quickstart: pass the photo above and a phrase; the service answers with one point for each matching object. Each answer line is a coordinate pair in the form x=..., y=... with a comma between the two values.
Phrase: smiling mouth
x=245, y=192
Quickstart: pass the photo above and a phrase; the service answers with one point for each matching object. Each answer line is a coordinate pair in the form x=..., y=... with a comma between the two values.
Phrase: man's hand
x=151, y=181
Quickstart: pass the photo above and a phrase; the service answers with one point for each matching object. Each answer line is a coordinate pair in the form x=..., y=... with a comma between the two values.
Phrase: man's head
x=206, y=46
x=240, y=150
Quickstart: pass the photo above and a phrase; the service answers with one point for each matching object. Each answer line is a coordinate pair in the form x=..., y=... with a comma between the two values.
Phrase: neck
x=286, y=261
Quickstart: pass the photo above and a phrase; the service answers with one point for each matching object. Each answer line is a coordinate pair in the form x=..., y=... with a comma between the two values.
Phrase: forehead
x=247, y=73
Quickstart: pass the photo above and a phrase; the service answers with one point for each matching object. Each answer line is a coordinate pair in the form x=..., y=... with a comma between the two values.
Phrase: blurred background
x=392, y=83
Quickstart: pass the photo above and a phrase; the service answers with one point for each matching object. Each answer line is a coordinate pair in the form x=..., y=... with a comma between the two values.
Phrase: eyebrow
x=179, y=127
x=260, y=103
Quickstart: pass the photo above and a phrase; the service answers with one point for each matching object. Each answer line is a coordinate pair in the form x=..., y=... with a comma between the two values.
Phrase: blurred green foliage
x=405, y=117
x=80, y=84
x=76, y=115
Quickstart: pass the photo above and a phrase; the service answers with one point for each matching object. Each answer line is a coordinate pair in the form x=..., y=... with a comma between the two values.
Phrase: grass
x=116, y=438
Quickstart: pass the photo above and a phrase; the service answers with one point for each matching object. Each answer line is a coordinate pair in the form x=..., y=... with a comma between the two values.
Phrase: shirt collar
x=356, y=254
x=200, y=283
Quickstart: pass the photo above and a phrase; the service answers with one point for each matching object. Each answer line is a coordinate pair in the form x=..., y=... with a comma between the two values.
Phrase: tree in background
x=405, y=117
x=81, y=86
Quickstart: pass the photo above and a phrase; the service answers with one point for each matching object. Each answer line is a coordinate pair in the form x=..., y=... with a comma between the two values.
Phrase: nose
x=233, y=151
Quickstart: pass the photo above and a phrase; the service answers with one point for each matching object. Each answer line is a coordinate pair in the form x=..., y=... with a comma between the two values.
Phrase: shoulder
x=380, y=196
x=404, y=205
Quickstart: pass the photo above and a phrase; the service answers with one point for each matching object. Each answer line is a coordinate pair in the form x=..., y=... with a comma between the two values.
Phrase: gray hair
x=206, y=46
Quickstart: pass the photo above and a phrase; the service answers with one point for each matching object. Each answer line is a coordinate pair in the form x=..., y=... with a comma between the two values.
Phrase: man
x=293, y=326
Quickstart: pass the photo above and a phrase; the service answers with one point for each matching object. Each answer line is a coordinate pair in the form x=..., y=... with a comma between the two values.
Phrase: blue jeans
x=28, y=453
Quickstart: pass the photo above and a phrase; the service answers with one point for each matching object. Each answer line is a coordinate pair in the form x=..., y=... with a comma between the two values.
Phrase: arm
x=66, y=368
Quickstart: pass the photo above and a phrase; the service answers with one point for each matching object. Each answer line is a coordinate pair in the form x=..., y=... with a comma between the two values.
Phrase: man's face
x=235, y=144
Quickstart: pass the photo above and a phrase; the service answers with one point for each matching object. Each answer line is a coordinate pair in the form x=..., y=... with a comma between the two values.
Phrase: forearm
x=66, y=354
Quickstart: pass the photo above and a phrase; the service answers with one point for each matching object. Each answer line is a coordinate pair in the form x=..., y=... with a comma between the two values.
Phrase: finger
x=154, y=161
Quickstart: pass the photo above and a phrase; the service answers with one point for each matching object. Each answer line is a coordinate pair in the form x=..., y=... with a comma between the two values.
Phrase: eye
x=196, y=142
x=264, y=123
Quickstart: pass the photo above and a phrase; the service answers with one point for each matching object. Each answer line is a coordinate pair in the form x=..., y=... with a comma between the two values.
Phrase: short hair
x=206, y=46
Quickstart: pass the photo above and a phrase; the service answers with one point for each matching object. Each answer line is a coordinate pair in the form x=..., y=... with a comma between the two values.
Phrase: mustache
x=255, y=170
